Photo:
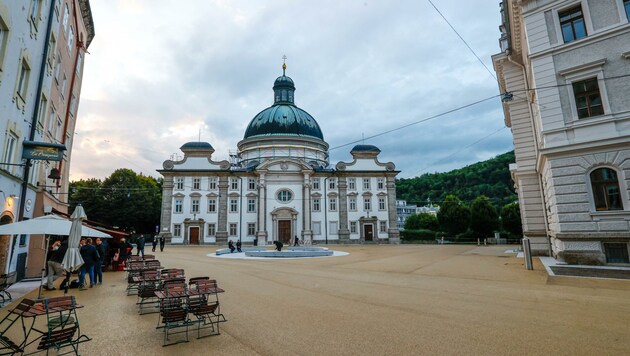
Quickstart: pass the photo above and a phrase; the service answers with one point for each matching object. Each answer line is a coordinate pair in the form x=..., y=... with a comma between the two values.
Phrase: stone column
x=307, y=233
x=344, y=232
x=222, y=233
x=392, y=229
x=261, y=235
x=167, y=208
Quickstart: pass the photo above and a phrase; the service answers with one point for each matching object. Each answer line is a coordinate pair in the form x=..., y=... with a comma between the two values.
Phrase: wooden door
x=194, y=236
x=284, y=231
x=368, y=232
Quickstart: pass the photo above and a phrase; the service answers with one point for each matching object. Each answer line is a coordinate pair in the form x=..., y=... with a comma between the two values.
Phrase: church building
x=281, y=186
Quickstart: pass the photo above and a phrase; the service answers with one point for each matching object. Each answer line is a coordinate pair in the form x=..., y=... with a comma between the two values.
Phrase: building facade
x=564, y=69
x=279, y=187
x=40, y=42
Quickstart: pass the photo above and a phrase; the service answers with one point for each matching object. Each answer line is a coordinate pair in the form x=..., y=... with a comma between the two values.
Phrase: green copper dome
x=283, y=118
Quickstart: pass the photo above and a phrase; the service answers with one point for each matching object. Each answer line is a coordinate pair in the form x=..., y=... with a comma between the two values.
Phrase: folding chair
x=174, y=316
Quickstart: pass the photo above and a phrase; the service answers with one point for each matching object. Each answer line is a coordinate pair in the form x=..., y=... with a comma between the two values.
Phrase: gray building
x=564, y=69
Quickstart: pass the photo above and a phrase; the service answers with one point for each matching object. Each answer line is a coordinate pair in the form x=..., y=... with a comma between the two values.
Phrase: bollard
x=527, y=254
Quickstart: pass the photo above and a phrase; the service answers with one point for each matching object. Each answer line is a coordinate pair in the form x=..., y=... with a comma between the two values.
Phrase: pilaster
x=344, y=232
x=167, y=207
x=222, y=233
x=392, y=231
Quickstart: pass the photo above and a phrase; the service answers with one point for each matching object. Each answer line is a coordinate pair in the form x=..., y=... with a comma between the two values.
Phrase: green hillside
x=490, y=178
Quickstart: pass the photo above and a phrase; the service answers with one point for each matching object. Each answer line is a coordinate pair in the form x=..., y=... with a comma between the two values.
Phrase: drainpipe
x=540, y=182
x=31, y=137
x=72, y=80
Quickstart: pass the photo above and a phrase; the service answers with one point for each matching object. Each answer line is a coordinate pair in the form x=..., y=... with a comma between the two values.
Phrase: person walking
x=238, y=246
x=155, y=241
x=162, y=240
x=98, y=267
x=124, y=249
x=140, y=246
x=297, y=241
x=90, y=257
x=55, y=268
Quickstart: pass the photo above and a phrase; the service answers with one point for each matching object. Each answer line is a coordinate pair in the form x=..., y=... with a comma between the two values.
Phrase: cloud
x=161, y=74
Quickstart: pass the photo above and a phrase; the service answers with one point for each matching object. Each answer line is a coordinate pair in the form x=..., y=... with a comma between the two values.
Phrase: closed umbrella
x=72, y=261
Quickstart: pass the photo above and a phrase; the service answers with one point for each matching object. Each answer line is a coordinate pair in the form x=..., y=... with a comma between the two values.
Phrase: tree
x=484, y=219
x=125, y=199
x=454, y=217
x=423, y=221
x=511, y=219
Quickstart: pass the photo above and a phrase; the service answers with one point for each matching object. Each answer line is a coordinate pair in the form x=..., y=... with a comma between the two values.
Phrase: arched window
x=606, y=192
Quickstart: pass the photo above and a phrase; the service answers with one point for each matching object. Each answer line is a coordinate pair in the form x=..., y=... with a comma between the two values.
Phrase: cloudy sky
x=162, y=72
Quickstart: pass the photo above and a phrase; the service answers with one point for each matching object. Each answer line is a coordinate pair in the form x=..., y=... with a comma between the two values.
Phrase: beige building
x=42, y=51
x=564, y=69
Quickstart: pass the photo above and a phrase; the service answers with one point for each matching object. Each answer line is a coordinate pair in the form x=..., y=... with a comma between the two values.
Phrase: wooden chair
x=174, y=316
x=206, y=307
x=146, y=292
x=63, y=328
x=193, y=281
x=8, y=346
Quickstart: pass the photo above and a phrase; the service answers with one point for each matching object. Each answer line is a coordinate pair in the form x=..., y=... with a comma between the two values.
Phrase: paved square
x=405, y=299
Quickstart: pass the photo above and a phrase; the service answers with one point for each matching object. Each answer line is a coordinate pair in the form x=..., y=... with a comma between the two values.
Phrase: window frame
x=233, y=229
x=352, y=204
x=382, y=204
x=212, y=205
x=380, y=183
x=620, y=186
x=212, y=183
x=367, y=204
x=316, y=227
x=10, y=149
x=567, y=11
x=577, y=74
x=316, y=183
x=317, y=204
x=352, y=184
x=233, y=183
x=251, y=229
x=5, y=30
x=196, y=183
x=332, y=183
x=353, y=227
x=332, y=204
x=282, y=197
x=212, y=229
x=177, y=230
x=251, y=205
x=233, y=205
x=194, y=205
x=251, y=184
x=179, y=183
x=178, y=206
x=382, y=226
x=367, y=184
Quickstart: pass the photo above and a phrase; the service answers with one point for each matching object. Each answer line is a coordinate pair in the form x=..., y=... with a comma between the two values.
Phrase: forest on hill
x=490, y=178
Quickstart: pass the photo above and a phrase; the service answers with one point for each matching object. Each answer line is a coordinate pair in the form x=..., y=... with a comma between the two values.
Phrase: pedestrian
x=279, y=245
x=231, y=246
x=55, y=268
x=155, y=241
x=106, y=258
x=124, y=249
x=98, y=268
x=140, y=246
x=90, y=257
x=238, y=246
x=297, y=241
x=162, y=240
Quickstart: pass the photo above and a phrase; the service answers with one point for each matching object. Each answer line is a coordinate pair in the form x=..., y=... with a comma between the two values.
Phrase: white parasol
x=72, y=261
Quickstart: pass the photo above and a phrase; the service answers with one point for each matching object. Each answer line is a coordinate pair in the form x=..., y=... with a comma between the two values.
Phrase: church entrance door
x=368, y=232
x=194, y=236
x=284, y=231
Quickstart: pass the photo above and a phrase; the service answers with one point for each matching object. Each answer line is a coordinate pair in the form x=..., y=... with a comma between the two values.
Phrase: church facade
x=281, y=186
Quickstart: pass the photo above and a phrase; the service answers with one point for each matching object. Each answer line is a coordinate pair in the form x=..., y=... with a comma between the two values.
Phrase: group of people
x=96, y=254
x=232, y=248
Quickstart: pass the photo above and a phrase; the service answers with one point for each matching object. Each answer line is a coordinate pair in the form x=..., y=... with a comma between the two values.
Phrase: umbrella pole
x=41, y=282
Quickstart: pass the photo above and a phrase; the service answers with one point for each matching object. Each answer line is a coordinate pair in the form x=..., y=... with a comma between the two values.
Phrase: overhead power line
x=417, y=122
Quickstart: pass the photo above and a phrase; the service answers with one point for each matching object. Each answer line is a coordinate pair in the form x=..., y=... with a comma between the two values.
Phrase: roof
x=365, y=148
x=196, y=146
x=283, y=120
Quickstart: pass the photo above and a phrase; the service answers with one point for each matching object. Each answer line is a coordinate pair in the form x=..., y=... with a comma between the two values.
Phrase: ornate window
x=179, y=204
x=332, y=204
x=196, y=183
x=315, y=183
x=352, y=183
x=316, y=204
x=194, y=206
x=212, y=205
x=251, y=205
x=606, y=192
x=332, y=183
x=367, y=203
x=380, y=182
x=233, y=205
x=251, y=183
x=285, y=196
x=381, y=204
x=234, y=183
x=352, y=202
x=366, y=183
